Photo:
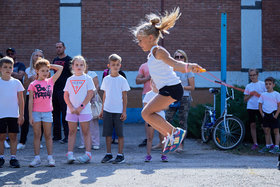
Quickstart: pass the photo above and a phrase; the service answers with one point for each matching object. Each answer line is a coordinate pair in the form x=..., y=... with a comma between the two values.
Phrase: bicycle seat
x=214, y=90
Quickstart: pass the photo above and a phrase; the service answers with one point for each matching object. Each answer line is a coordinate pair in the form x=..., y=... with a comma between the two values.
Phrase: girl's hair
x=31, y=64
x=79, y=57
x=182, y=53
x=41, y=62
x=157, y=25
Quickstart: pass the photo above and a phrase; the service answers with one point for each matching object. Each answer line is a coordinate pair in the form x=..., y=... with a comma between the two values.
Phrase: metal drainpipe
x=162, y=12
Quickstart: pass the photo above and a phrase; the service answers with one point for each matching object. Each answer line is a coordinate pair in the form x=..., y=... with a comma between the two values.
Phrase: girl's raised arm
x=58, y=70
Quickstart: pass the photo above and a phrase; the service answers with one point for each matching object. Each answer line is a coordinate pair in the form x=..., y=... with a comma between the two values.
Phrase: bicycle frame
x=225, y=113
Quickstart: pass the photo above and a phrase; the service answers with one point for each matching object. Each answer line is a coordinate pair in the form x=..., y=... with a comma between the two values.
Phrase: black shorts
x=269, y=121
x=253, y=114
x=9, y=125
x=111, y=121
x=175, y=91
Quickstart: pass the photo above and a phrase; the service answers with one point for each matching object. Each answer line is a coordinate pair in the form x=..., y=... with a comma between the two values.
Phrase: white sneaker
x=35, y=163
x=6, y=144
x=20, y=146
x=95, y=147
x=81, y=147
x=70, y=159
x=41, y=146
x=51, y=162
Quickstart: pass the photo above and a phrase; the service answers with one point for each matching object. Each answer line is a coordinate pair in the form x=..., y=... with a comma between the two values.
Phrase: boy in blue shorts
x=269, y=106
x=115, y=89
x=11, y=109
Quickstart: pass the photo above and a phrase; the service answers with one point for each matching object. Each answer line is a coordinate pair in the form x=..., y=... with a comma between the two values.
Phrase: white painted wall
x=71, y=30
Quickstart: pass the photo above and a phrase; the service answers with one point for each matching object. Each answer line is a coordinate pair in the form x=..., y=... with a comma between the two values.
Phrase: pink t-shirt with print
x=42, y=95
x=144, y=70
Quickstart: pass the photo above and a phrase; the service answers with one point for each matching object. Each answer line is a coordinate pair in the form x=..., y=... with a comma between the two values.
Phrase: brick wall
x=105, y=28
x=28, y=25
x=271, y=35
x=34, y=24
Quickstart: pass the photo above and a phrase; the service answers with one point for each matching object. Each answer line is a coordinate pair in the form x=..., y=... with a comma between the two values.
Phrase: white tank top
x=161, y=73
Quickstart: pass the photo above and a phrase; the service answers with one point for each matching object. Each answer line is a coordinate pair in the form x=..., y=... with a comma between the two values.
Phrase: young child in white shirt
x=269, y=107
x=150, y=131
x=78, y=91
x=115, y=89
x=11, y=109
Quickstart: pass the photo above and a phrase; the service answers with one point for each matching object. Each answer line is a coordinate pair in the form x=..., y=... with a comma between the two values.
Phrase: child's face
x=269, y=86
x=115, y=66
x=253, y=76
x=6, y=69
x=79, y=67
x=145, y=42
x=43, y=72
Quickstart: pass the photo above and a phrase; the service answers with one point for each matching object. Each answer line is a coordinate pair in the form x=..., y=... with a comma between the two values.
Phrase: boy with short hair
x=11, y=109
x=269, y=106
x=115, y=89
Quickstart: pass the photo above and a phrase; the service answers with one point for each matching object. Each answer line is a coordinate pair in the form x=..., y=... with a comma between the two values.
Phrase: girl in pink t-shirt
x=40, y=107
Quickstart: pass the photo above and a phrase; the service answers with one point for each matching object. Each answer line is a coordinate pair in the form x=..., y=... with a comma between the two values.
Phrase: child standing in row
x=161, y=67
x=78, y=91
x=150, y=131
x=40, y=107
x=115, y=89
x=269, y=107
x=11, y=109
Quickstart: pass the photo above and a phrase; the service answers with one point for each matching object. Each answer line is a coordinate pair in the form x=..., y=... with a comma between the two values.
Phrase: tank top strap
x=151, y=51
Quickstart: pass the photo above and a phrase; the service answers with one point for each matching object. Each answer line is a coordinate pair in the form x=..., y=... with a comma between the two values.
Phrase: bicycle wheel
x=206, y=128
x=228, y=140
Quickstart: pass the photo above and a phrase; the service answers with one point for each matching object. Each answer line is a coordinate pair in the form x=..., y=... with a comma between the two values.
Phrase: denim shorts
x=78, y=118
x=42, y=116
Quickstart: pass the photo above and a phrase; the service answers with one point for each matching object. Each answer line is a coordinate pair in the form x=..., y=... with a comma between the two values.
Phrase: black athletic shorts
x=175, y=91
x=9, y=124
x=269, y=121
x=253, y=115
x=111, y=121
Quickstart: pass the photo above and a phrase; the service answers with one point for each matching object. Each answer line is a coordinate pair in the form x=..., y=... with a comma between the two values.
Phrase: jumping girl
x=162, y=66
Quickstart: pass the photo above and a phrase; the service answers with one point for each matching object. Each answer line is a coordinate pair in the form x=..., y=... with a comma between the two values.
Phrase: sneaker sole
x=70, y=161
x=82, y=162
x=123, y=161
x=14, y=166
x=34, y=166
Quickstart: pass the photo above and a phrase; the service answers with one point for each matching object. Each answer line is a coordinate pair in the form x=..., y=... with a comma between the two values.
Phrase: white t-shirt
x=113, y=87
x=184, y=77
x=269, y=101
x=8, y=97
x=148, y=97
x=253, y=101
x=77, y=87
x=30, y=72
x=161, y=73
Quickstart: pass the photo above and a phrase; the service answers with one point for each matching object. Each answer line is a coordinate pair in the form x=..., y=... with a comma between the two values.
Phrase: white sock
x=277, y=146
x=50, y=157
x=13, y=156
x=108, y=153
x=37, y=157
x=1, y=156
x=119, y=154
x=268, y=146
